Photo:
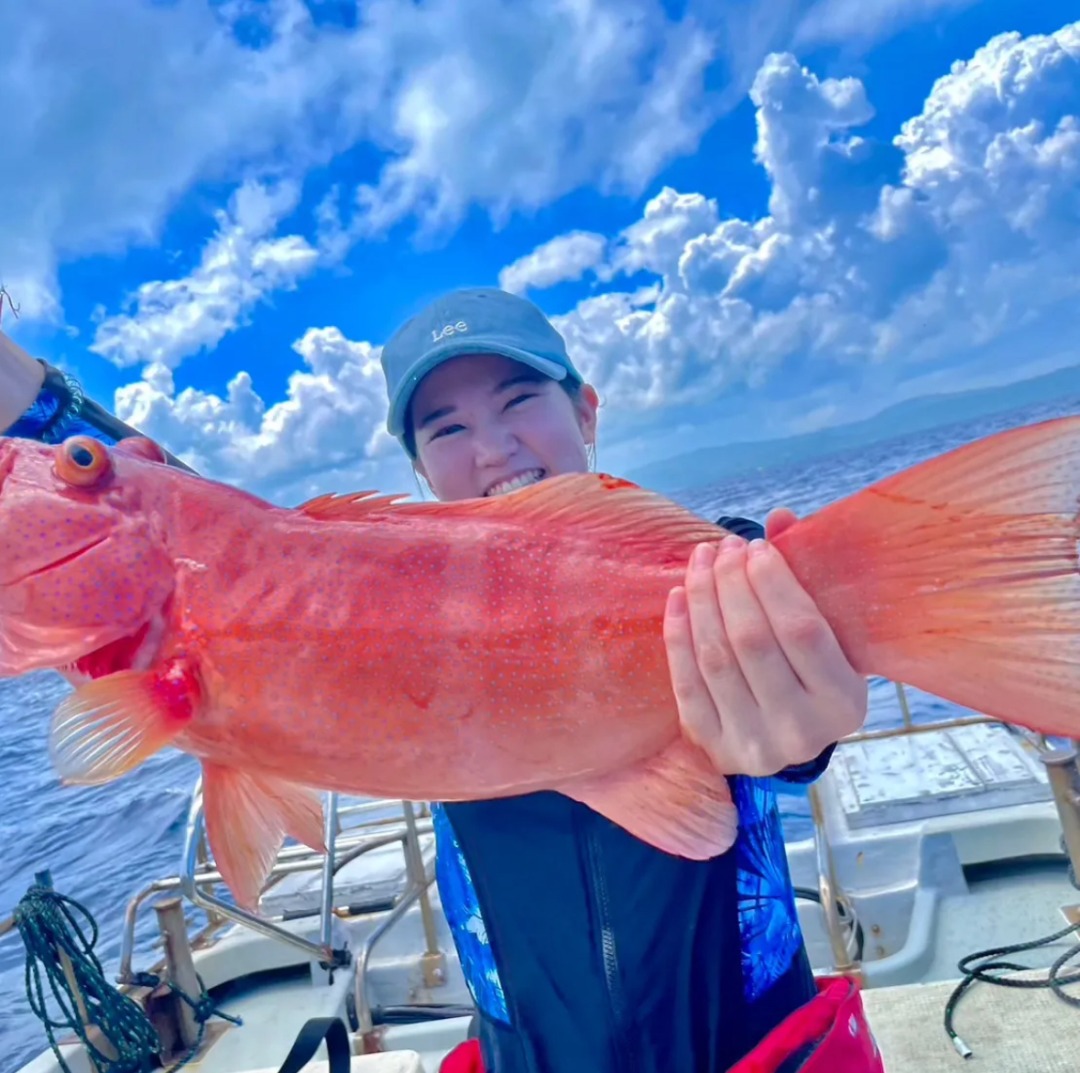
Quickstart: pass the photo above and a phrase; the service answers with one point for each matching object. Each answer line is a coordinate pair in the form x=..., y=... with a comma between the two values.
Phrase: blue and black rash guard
x=585, y=949
x=588, y=951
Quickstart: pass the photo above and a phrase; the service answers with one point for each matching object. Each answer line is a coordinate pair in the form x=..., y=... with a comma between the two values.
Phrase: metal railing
x=343, y=845
x=1064, y=777
x=829, y=890
x=433, y=960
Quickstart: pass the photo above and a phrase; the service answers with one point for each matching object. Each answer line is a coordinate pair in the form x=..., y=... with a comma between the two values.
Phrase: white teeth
x=514, y=483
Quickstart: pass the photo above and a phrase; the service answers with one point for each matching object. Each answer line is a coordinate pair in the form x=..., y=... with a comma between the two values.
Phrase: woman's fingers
x=759, y=677
x=808, y=642
x=718, y=662
x=778, y=520
x=700, y=721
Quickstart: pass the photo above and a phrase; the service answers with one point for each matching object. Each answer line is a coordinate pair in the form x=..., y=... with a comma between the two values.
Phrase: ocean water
x=103, y=844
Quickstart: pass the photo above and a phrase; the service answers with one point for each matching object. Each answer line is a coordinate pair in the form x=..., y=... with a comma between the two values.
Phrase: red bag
x=833, y=1023
x=464, y=1058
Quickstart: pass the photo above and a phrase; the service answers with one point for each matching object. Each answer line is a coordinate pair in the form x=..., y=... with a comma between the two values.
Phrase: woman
x=585, y=948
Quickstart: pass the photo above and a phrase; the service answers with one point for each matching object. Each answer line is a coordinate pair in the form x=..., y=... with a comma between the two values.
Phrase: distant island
x=724, y=460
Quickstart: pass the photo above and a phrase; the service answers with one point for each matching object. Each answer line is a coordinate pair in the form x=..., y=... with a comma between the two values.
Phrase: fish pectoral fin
x=109, y=726
x=675, y=801
x=247, y=816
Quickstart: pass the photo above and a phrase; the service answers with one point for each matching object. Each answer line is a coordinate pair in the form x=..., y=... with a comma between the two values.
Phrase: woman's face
x=485, y=424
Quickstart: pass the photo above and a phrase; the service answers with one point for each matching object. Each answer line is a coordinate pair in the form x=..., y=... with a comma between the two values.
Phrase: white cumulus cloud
x=880, y=270
x=511, y=105
x=328, y=433
x=878, y=265
x=565, y=258
x=172, y=319
x=115, y=110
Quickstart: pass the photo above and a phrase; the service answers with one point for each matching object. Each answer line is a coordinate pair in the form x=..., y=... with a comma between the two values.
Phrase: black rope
x=989, y=965
x=809, y=895
x=203, y=1007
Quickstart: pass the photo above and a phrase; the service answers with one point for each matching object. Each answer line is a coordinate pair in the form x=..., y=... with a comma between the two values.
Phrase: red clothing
x=832, y=1029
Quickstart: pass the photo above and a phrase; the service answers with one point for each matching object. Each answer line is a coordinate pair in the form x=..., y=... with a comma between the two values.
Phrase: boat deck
x=957, y=849
x=1009, y=1031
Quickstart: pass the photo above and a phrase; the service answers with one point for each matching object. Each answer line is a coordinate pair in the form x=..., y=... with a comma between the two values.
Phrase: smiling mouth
x=512, y=484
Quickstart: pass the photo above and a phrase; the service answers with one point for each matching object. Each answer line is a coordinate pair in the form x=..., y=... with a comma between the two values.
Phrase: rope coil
x=60, y=960
x=984, y=964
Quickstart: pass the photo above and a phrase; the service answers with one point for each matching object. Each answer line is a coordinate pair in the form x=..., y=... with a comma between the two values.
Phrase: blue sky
x=749, y=219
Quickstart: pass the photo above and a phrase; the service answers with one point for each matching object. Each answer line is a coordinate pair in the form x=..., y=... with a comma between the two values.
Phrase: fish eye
x=82, y=461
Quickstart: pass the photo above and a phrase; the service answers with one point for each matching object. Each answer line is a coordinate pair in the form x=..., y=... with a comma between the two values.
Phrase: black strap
x=331, y=1029
x=744, y=527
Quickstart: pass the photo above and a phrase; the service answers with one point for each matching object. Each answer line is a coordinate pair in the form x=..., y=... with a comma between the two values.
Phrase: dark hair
x=569, y=384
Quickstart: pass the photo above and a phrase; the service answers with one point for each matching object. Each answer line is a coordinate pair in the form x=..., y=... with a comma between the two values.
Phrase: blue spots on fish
x=466, y=923
x=768, y=922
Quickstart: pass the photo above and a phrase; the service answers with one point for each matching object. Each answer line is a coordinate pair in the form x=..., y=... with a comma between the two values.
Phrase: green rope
x=48, y=926
x=47, y=923
x=203, y=1007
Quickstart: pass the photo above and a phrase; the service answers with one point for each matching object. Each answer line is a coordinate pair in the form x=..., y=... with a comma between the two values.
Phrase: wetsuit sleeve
x=813, y=769
x=63, y=409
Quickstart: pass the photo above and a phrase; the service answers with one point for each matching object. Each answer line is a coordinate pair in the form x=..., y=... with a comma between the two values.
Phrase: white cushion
x=388, y=1062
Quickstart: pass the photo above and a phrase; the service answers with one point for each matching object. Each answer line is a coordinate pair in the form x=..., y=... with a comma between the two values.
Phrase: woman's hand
x=759, y=677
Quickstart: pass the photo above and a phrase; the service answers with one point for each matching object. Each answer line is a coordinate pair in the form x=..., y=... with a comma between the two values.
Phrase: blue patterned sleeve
x=462, y=911
x=57, y=413
x=63, y=409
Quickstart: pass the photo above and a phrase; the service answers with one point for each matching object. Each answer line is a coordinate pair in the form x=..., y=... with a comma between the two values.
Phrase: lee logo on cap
x=448, y=330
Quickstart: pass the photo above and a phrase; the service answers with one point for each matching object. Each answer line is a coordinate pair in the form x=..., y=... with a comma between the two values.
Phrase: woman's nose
x=494, y=446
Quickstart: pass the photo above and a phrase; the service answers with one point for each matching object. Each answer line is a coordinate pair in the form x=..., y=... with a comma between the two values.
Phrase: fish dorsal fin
x=353, y=506
x=593, y=505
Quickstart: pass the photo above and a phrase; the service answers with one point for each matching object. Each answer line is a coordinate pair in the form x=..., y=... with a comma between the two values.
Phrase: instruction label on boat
x=959, y=769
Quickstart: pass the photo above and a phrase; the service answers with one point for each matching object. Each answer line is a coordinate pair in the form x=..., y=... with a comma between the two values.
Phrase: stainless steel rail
x=1064, y=781
x=197, y=877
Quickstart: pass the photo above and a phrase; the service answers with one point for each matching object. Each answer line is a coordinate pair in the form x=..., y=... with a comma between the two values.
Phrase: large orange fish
x=469, y=650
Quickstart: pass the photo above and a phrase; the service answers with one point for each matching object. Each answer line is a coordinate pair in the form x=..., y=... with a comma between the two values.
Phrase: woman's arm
x=20, y=381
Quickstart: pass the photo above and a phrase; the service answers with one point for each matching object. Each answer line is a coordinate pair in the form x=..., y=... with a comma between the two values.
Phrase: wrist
x=52, y=411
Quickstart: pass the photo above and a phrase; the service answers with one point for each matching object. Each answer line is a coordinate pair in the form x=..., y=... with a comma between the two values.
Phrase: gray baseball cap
x=476, y=320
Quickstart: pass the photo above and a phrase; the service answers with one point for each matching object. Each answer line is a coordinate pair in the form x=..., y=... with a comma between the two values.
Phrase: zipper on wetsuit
x=616, y=998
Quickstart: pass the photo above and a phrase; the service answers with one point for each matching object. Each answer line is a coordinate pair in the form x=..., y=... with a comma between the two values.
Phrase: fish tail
x=959, y=576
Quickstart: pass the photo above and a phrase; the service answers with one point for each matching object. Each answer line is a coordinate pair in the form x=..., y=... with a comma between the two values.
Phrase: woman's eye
x=521, y=398
x=445, y=431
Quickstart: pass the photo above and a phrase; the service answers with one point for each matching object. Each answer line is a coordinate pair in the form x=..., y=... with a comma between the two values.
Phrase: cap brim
x=395, y=421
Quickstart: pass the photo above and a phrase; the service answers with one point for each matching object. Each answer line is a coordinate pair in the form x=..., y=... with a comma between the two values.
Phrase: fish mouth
x=64, y=560
x=521, y=479
x=132, y=651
